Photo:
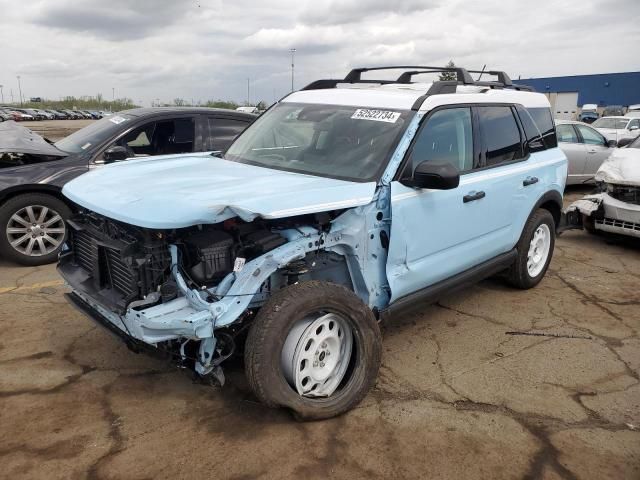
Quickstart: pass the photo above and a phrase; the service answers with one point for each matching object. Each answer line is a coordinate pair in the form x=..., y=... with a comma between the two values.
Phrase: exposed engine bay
x=8, y=160
x=132, y=271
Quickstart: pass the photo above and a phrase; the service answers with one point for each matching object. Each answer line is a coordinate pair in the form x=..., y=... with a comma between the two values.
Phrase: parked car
x=57, y=115
x=336, y=207
x=616, y=208
x=33, y=171
x=34, y=113
x=585, y=148
x=24, y=116
x=4, y=116
x=613, y=111
x=45, y=114
x=588, y=117
x=633, y=111
x=618, y=128
x=16, y=116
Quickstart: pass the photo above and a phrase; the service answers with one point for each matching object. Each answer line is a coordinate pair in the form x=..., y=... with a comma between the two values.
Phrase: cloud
x=113, y=20
x=205, y=49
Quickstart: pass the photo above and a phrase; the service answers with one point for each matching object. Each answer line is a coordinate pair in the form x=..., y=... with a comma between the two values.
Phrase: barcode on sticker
x=376, y=115
x=239, y=264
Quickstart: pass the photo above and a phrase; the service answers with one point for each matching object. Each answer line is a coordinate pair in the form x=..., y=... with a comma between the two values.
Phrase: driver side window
x=446, y=137
x=590, y=136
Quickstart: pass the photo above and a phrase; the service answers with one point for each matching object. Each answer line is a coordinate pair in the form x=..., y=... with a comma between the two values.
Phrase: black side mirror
x=114, y=154
x=624, y=142
x=438, y=176
x=612, y=143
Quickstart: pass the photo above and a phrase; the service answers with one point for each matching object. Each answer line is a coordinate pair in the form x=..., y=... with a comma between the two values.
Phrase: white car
x=585, y=148
x=617, y=208
x=618, y=128
x=633, y=112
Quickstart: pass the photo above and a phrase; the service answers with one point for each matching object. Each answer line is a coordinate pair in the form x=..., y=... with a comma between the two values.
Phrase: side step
x=434, y=292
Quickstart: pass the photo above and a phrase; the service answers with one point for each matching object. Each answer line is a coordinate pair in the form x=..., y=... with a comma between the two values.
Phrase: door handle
x=473, y=196
x=529, y=181
x=592, y=151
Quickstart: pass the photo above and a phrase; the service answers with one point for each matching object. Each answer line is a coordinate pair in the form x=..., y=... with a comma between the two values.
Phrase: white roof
x=404, y=96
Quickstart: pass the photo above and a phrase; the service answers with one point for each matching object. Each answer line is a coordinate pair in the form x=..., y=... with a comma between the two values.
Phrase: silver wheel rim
x=35, y=230
x=316, y=354
x=539, y=250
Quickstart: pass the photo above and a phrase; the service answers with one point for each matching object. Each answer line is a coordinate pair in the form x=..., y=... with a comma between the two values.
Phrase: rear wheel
x=314, y=348
x=33, y=228
x=535, y=249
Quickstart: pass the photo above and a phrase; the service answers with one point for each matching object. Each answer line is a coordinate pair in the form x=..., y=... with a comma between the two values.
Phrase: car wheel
x=314, y=348
x=535, y=249
x=33, y=228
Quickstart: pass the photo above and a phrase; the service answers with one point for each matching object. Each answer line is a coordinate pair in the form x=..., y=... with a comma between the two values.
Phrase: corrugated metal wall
x=602, y=89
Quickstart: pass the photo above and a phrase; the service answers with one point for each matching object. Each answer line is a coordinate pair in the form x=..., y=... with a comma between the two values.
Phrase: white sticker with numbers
x=376, y=115
x=239, y=264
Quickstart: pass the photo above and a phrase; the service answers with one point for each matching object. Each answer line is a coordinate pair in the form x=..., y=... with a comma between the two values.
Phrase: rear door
x=222, y=131
x=576, y=152
x=436, y=234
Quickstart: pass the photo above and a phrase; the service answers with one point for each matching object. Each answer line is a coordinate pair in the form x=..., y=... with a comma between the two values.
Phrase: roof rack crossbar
x=462, y=75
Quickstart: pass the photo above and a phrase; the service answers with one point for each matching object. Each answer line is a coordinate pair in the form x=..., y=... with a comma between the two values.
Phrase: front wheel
x=535, y=249
x=314, y=348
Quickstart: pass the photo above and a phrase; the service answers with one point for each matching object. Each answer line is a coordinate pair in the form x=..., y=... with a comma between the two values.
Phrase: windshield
x=333, y=141
x=615, y=123
x=93, y=134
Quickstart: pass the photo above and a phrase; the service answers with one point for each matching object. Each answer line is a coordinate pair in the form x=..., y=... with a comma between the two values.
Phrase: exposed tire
x=272, y=327
x=522, y=274
x=25, y=243
x=588, y=224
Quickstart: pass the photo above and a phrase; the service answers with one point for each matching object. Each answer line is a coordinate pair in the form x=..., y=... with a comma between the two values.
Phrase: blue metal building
x=602, y=89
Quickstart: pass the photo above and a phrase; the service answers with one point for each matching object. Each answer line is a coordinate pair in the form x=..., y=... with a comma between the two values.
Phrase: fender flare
x=551, y=201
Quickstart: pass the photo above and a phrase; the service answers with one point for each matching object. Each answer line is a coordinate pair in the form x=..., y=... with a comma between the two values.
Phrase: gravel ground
x=489, y=383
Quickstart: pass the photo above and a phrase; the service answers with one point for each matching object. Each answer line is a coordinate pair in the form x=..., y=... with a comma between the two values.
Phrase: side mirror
x=115, y=154
x=438, y=176
x=612, y=143
x=624, y=142
x=635, y=127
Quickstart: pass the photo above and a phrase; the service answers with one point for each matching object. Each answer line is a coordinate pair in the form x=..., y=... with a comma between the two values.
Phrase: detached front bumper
x=607, y=214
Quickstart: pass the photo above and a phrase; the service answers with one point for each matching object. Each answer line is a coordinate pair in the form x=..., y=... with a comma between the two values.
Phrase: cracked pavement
x=490, y=382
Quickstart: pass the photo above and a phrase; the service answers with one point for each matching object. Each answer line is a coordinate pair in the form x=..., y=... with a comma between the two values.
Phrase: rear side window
x=501, y=135
x=590, y=136
x=544, y=121
x=222, y=132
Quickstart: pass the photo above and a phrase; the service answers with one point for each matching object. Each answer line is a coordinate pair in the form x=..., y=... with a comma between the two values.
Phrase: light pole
x=293, y=56
x=1, y=93
x=19, y=89
x=248, y=92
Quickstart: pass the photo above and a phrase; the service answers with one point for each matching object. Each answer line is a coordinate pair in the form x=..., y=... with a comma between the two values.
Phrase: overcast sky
x=206, y=49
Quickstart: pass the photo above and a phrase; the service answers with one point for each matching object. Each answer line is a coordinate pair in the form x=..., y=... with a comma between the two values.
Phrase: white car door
x=597, y=149
x=575, y=151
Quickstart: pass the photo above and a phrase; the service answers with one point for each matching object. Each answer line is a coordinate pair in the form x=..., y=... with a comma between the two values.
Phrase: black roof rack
x=463, y=77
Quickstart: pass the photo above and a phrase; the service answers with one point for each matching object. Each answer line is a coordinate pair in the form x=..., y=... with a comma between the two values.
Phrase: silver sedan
x=585, y=148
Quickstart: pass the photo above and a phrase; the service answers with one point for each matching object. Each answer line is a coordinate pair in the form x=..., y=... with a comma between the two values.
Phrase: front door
x=597, y=149
x=436, y=234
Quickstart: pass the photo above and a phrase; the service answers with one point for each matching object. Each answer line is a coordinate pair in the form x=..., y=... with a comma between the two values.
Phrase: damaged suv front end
x=182, y=263
x=616, y=208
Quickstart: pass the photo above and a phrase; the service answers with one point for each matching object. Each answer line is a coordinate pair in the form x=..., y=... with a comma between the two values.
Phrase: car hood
x=184, y=190
x=622, y=167
x=15, y=138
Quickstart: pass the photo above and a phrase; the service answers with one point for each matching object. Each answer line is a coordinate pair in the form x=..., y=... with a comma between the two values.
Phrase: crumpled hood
x=184, y=190
x=622, y=167
x=15, y=138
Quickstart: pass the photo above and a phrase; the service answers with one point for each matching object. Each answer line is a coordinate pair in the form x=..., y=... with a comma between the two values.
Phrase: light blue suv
x=344, y=202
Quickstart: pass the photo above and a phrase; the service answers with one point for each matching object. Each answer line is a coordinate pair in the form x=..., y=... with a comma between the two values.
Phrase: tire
x=588, y=224
x=271, y=329
x=520, y=275
x=50, y=237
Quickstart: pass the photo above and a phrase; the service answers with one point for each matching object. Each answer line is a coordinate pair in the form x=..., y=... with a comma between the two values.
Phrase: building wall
x=602, y=89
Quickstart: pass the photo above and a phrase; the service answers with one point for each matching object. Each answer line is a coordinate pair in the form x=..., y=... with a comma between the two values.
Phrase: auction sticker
x=376, y=115
x=117, y=119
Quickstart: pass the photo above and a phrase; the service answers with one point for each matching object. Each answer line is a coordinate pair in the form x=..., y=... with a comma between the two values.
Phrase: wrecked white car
x=616, y=208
